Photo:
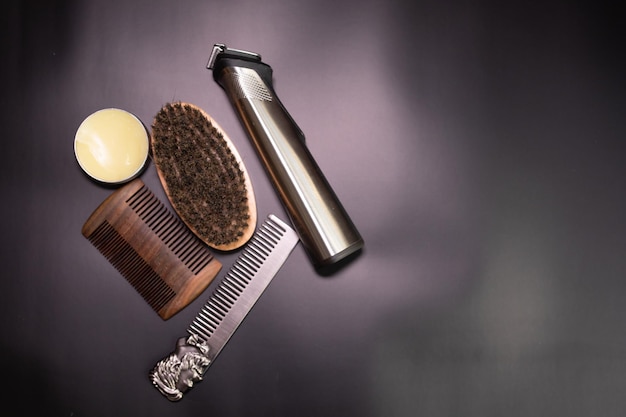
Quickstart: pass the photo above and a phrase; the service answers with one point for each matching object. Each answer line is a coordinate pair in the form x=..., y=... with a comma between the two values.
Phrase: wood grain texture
x=151, y=248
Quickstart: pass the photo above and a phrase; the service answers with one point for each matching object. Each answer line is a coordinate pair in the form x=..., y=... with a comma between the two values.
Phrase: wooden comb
x=149, y=245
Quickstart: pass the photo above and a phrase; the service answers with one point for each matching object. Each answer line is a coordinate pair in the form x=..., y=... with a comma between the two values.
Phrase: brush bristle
x=203, y=176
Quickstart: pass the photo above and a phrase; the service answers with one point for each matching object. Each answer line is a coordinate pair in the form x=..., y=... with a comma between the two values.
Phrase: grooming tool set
x=167, y=256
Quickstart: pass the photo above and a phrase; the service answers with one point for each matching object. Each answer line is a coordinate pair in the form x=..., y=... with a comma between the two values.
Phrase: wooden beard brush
x=203, y=176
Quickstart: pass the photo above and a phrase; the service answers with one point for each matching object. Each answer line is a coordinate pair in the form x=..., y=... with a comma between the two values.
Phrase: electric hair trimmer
x=322, y=223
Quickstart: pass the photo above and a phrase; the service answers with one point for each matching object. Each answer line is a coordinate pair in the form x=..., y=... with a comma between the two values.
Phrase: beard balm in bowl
x=111, y=146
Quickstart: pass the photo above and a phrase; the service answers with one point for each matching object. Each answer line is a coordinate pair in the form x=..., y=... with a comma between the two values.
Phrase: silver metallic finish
x=246, y=84
x=325, y=228
x=218, y=48
x=177, y=373
x=227, y=307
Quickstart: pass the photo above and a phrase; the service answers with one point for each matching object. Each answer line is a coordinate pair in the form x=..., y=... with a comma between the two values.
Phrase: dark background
x=478, y=146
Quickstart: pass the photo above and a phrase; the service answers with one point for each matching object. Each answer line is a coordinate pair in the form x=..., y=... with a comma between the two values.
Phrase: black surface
x=478, y=147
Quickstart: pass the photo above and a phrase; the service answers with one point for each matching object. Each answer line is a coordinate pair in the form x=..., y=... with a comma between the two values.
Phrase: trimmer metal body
x=323, y=225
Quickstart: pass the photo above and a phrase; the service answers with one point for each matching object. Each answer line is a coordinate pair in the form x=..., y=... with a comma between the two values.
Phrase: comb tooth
x=147, y=282
x=243, y=285
x=186, y=246
x=234, y=291
x=148, y=209
x=233, y=285
x=213, y=313
x=139, y=199
x=132, y=200
x=218, y=304
x=103, y=239
x=215, y=310
x=243, y=277
x=227, y=296
x=236, y=283
x=206, y=323
x=184, y=242
x=199, y=328
x=132, y=265
x=210, y=321
x=143, y=281
x=255, y=258
x=198, y=259
x=154, y=209
x=192, y=256
x=251, y=263
x=152, y=215
x=123, y=255
x=200, y=331
x=243, y=268
x=157, y=215
x=266, y=245
x=260, y=252
x=163, y=228
x=169, y=233
x=161, y=223
x=189, y=252
x=137, y=272
x=178, y=239
x=148, y=286
x=202, y=262
x=237, y=278
x=172, y=234
x=170, y=230
x=106, y=240
x=272, y=230
x=271, y=237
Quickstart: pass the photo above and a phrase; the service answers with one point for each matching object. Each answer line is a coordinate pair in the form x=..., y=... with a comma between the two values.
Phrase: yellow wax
x=111, y=145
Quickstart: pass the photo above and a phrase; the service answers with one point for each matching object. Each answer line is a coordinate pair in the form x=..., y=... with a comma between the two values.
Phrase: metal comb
x=227, y=307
